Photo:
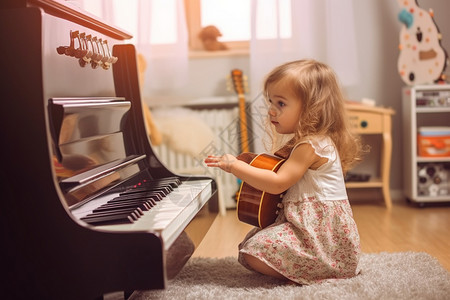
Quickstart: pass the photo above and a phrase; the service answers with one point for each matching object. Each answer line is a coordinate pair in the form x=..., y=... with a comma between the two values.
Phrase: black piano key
x=172, y=181
x=161, y=183
x=153, y=196
x=152, y=185
x=132, y=209
x=135, y=214
x=161, y=190
x=95, y=216
x=150, y=201
x=124, y=205
x=166, y=189
x=109, y=220
x=143, y=195
x=135, y=210
x=145, y=190
x=147, y=202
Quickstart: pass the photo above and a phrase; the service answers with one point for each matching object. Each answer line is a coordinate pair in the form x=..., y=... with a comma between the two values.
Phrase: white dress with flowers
x=315, y=236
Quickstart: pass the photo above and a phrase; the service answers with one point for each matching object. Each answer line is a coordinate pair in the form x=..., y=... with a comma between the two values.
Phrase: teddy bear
x=208, y=35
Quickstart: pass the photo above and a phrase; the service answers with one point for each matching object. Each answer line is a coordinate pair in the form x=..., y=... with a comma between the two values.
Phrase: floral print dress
x=315, y=236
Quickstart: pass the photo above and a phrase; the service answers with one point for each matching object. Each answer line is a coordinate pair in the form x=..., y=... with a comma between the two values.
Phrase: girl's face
x=284, y=107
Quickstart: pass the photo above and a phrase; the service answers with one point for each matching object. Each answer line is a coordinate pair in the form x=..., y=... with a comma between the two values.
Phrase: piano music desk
x=374, y=120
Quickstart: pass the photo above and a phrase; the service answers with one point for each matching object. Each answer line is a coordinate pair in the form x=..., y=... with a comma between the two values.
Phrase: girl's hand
x=224, y=162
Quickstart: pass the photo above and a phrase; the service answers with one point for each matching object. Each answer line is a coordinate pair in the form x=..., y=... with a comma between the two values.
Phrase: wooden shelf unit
x=424, y=105
x=375, y=120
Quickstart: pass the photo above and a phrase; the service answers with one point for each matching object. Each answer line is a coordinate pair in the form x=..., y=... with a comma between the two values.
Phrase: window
x=233, y=19
x=231, y=16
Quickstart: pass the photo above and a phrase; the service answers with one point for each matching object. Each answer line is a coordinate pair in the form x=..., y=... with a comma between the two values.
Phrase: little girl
x=315, y=236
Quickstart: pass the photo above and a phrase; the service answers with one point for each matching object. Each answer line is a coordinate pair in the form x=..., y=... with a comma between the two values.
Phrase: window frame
x=193, y=22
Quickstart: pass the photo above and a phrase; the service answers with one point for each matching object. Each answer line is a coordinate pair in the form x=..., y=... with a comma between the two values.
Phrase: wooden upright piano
x=88, y=209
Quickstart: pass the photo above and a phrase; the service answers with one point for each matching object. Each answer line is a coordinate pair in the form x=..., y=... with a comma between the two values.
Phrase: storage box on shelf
x=434, y=141
x=426, y=134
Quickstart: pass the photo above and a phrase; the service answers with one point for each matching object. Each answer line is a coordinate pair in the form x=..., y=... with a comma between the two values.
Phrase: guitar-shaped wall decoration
x=422, y=58
x=256, y=207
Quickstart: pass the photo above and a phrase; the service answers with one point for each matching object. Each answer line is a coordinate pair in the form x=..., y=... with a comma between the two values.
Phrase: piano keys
x=166, y=215
x=88, y=208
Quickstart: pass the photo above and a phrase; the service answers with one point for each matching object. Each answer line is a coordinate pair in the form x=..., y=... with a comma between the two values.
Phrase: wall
x=207, y=78
x=377, y=40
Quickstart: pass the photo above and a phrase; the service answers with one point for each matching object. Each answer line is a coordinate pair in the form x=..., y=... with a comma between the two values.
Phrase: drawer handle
x=364, y=124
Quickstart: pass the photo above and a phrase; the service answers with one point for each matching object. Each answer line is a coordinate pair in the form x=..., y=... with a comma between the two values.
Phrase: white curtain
x=321, y=29
x=164, y=46
x=168, y=60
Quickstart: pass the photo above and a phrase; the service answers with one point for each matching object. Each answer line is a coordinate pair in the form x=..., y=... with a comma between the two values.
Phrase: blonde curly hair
x=323, y=110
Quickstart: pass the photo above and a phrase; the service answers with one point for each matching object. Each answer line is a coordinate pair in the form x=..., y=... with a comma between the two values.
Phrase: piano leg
x=184, y=246
x=199, y=226
x=178, y=254
x=115, y=296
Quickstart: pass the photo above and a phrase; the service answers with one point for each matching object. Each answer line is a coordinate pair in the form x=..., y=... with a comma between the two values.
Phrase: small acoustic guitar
x=256, y=207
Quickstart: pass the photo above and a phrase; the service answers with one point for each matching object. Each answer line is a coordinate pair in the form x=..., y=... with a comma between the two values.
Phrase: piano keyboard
x=164, y=207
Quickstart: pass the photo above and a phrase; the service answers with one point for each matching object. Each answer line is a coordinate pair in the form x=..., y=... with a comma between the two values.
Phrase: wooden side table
x=374, y=120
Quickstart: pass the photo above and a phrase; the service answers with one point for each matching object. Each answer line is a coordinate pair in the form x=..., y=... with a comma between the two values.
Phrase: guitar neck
x=243, y=124
x=239, y=83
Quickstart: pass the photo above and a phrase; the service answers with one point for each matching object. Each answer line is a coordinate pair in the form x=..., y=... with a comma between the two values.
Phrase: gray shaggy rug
x=408, y=275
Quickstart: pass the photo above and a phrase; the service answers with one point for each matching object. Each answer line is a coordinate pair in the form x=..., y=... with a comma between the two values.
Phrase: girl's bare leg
x=261, y=267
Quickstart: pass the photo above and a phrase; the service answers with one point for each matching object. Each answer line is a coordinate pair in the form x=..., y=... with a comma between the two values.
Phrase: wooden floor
x=405, y=228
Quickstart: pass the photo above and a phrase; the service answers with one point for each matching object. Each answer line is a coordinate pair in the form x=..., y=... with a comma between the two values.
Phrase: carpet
x=405, y=275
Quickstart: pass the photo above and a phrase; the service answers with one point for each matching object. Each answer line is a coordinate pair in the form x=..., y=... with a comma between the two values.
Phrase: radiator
x=224, y=124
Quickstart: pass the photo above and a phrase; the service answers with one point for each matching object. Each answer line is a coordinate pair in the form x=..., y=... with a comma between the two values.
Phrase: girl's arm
x=302, y=158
